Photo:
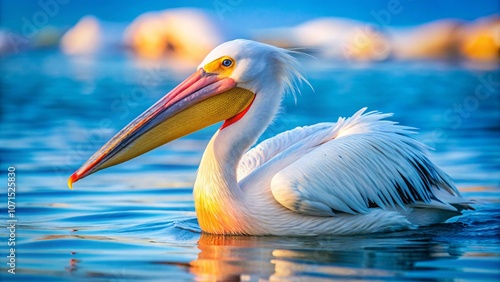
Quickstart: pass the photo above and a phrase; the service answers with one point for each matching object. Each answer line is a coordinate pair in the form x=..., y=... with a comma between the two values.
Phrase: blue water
x=136, y=221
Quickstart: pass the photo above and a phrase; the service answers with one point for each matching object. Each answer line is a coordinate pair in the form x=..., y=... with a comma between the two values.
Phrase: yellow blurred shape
x=480, y=40
x=434, y=40
x=184, y=34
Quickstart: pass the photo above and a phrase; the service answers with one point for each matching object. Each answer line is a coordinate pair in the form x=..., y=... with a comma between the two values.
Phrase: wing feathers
x=270, y=148
x=361, y=162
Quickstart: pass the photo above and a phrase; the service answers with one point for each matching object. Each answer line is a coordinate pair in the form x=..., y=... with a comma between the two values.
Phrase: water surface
x=137, y=221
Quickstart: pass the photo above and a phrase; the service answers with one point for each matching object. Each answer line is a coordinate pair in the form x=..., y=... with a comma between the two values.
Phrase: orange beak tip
x=71, y=179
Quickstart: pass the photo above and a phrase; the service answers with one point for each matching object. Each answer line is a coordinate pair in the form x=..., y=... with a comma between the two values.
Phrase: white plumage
x=362, y=174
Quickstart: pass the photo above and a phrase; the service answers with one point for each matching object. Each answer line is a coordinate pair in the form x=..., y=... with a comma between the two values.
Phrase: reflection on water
x=137, y=221
x=381, y=257
x=441, y=252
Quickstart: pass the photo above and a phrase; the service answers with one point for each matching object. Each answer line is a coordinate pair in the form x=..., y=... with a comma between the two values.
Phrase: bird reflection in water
x=244, y=258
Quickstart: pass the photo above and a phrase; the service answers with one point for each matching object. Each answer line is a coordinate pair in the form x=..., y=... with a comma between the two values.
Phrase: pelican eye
x=227, y=62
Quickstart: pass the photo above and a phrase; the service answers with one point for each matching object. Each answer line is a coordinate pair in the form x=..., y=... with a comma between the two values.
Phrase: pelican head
x=233, y=78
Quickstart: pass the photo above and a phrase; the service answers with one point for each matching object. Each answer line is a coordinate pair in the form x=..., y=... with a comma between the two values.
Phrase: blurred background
x=73, y=73
x=366, y=31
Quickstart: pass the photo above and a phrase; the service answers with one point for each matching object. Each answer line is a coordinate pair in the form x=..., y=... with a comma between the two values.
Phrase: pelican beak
x=199, y=101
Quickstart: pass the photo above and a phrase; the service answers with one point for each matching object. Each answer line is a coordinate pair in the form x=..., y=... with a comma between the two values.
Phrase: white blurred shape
x=84, y=38
x=333, y=38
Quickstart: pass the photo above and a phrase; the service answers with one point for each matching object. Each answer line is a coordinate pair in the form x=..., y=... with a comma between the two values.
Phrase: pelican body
x=361, y=174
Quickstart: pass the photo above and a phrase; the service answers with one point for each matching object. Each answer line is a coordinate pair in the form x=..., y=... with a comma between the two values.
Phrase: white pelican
x=359, y=175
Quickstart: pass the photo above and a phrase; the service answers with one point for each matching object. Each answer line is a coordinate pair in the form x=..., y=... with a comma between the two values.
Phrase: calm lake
x=137, y=221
